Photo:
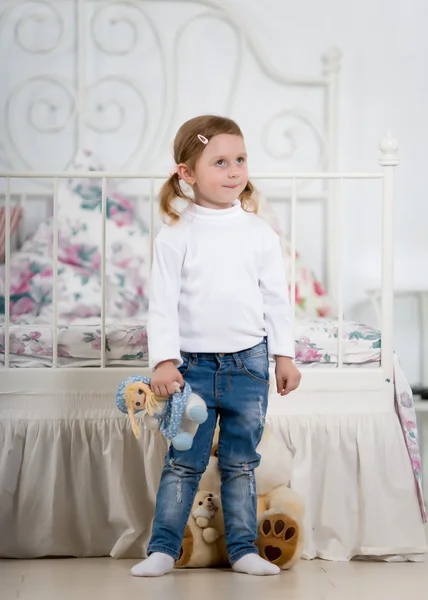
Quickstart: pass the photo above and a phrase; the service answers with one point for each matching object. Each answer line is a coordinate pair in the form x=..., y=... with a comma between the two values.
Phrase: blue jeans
x=235, y=388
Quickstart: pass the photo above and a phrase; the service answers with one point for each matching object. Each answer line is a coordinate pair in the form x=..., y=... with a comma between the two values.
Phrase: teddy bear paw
x=202, y=522
x=210, y=535
x=278, y=539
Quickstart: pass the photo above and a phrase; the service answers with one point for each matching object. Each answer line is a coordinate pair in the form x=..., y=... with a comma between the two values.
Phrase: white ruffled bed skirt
x=75, y=482
x=354, y=474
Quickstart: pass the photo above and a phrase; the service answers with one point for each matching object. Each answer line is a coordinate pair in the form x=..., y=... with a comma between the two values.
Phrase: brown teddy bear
x=203, y=543
x=208, y=515
x=280, y=512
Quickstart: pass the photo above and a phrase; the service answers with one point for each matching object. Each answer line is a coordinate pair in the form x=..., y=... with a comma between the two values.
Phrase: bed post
x=80, y=73
x=331, y=63
x=388, y=160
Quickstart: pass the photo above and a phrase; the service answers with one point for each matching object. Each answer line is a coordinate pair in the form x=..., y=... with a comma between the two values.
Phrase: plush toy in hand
x=177, y=417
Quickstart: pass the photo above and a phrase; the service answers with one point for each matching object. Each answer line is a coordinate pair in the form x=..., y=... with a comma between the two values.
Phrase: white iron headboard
x=120, y=76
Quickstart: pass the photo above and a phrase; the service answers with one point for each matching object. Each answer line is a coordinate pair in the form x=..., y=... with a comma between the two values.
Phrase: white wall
x=383, y=86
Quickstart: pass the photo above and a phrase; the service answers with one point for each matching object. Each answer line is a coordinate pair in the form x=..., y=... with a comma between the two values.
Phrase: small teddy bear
x=208, y=515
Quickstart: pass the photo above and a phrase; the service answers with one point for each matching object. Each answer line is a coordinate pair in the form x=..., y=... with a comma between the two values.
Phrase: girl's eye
x=240, y=160
x=220, y=162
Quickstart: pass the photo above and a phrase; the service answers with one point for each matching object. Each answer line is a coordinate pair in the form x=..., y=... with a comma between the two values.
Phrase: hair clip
x=173, y=171
x=203, y=139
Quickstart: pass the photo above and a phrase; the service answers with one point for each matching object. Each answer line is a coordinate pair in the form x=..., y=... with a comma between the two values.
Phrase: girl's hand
x=165, y=378
x=287, y=375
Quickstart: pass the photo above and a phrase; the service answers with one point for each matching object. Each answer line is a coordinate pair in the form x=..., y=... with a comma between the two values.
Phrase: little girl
x=218, y=304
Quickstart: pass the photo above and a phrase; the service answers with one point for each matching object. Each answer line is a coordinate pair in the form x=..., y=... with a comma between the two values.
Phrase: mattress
x=79, y=343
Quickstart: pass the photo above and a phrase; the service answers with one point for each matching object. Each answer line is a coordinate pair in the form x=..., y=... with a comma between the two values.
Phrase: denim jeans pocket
x=257, y=367
x=187, y=363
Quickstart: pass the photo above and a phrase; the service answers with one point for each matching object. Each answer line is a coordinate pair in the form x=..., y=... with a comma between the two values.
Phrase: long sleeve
x=163, y=324
x=276, y=301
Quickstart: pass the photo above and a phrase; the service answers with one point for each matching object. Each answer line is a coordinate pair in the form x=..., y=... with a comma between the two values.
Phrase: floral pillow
x=80, y=218
x=118, y=208
x=311, y=298
x=79, y=256
x=127, y=240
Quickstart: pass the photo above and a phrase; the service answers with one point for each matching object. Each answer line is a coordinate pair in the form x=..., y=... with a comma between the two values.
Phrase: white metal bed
x=347, y=429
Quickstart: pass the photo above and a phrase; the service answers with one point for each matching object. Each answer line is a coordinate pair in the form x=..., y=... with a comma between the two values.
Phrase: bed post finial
x=389, y=148
x=331, y=60
x=389, y=160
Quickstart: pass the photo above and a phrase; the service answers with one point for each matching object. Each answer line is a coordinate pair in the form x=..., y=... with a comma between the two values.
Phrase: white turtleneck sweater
x=217, y=285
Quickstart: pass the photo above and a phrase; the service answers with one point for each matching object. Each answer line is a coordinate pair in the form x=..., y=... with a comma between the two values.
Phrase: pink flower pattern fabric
x=406, y=412
x=79, y=256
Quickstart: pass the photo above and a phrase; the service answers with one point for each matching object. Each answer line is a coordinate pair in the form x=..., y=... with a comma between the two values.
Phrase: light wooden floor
x=108, y=579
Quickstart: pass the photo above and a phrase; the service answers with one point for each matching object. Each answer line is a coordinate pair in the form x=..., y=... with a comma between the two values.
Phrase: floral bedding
x=79, y=343
x=79, y=257
x=79, y=218
x=405, y=407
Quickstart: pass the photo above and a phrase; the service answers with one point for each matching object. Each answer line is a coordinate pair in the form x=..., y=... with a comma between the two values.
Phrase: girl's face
x=221, y=172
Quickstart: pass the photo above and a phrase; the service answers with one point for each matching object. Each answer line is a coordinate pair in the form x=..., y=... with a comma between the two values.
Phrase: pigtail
x=248, y=198
x=171, y=190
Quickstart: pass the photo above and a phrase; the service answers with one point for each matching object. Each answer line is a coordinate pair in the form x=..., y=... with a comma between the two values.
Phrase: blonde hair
x=187, y=149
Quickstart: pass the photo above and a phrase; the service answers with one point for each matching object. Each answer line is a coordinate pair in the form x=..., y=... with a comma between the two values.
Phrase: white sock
x=156, y=565
x=253, y=564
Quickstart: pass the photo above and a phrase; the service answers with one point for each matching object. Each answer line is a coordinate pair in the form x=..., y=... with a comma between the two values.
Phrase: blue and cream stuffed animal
x=177, y=417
